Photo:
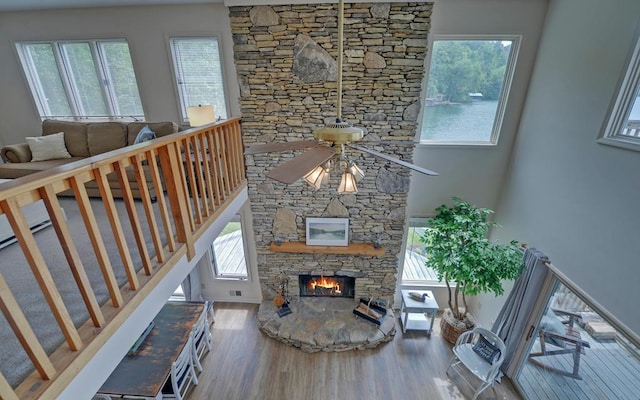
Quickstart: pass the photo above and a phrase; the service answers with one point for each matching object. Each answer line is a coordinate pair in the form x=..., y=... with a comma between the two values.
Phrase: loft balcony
x=141, y=250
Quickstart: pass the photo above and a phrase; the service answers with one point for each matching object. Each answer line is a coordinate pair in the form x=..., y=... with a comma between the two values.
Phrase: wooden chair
x=564, y=338
x=465, y=352
x=183, y=375
x=201, y=338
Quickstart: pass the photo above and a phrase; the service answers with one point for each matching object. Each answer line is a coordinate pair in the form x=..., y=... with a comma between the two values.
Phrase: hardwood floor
x=245, y=364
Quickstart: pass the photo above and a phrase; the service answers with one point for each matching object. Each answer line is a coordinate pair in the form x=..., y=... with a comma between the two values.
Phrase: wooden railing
x=199, y=171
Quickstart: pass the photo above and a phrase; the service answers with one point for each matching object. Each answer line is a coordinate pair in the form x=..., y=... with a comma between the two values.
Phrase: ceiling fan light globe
x=315, y=178
x=356, y=171
x=347, y=184
x=325, y=177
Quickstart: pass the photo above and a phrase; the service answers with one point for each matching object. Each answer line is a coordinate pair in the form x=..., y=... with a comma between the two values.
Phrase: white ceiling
x=22, y=5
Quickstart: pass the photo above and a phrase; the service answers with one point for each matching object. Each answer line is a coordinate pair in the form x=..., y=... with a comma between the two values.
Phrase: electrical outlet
x=232, y=292
x=238, y=293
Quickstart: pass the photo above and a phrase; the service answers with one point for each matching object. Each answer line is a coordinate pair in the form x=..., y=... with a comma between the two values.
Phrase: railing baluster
x=18, y=322
x=116, y=226
x=7, y=390
x=91, y=224
x=71, y=254
x=188, y=165
x=206, y=152
x=178, y=150
x=23, y=234
x=238, y=152
x=170, y=161
x=230, y=147
x=141, y=179
x=202, y=193
x=127, y=197
x=162, y=204
x=224, y=176
x=215, y=170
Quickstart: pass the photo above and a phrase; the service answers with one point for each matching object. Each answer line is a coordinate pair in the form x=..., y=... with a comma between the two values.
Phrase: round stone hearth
x=324, y=324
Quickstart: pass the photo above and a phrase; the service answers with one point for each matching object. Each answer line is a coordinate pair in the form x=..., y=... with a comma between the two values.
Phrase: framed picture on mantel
x=327, y=231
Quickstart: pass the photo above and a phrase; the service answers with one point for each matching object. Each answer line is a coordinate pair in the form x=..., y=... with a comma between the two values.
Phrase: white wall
x=567, y=195
x=147, y=30
x=475, y=173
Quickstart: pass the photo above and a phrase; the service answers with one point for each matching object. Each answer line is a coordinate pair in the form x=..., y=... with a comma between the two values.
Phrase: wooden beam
x=360, y=249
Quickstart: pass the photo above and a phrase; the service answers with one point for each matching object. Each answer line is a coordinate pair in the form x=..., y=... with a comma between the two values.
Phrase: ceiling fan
x=327, y=150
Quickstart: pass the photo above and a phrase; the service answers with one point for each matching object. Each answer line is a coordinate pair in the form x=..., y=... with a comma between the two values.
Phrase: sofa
x=81, y=140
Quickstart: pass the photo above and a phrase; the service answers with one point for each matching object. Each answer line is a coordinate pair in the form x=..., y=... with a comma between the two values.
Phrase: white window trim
x=623, y=102
x=74, y=102
x=180, y=95
x=212, y=254
x=502, y=102
x=411, y=222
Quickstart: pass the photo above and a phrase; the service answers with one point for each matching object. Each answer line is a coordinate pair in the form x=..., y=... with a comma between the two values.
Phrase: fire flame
x=325, y=284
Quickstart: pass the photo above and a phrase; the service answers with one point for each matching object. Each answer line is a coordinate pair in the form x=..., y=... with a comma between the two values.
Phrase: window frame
x=65, y=71
x=412, y=222
x=175, y=69
x=504, y=92
x=238, y=217
x=627, y=92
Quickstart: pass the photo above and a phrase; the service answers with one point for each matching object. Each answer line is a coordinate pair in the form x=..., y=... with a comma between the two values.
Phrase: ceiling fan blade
x=395, y=160
x=277, y=147
x=301, y=165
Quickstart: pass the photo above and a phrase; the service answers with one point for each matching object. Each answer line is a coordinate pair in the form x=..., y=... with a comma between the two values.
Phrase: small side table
x=418, y=315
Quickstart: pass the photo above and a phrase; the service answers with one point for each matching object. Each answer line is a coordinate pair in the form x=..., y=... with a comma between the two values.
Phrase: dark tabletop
x=144, y=373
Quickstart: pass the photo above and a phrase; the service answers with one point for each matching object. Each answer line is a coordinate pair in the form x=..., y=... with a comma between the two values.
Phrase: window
x=228, y=252
x=467, y=88
x=415, y=255
x=623, y=126
x=198, y=70
x=81, y=79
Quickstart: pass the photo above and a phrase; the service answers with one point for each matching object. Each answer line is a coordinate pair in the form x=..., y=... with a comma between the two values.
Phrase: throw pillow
x=144, y=135
x=49, y=147
x=486, y=350
x=551, y=323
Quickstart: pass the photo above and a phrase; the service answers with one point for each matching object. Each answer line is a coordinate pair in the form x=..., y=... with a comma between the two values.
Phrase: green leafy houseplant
x=459, y=251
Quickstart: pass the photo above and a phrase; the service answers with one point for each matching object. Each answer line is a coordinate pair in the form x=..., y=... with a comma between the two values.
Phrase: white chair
x=486, y=369
x=201, y=338
x=182, y=373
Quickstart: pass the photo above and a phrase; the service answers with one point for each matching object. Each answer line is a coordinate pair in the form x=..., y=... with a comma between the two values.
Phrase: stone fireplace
x=285, y=58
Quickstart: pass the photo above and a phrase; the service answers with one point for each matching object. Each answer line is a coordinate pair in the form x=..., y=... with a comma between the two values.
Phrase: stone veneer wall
x=286, y=61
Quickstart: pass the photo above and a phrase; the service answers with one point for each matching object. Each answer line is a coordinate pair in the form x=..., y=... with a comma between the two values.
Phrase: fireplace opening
x=326, y=286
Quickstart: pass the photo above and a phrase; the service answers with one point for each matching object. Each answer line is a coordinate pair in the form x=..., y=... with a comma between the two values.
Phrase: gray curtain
x=511, y=324
x=191, y=286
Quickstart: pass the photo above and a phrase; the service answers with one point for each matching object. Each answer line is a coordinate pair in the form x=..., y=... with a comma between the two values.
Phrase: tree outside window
x=466, y=90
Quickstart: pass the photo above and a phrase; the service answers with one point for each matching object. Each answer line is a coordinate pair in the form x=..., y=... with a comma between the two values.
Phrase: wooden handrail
x=195, y=173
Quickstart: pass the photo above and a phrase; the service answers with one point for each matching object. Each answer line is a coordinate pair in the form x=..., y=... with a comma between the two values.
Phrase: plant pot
x=451, y=328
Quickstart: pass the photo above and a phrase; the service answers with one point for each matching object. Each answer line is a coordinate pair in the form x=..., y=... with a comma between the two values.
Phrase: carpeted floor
x=14, y=362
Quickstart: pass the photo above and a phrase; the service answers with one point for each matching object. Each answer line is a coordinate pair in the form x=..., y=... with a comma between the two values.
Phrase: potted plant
x=459, y=251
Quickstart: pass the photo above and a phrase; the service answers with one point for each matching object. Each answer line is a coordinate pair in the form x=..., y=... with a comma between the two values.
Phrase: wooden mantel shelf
x=360, y=249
